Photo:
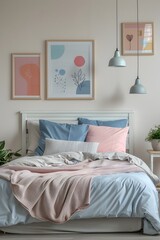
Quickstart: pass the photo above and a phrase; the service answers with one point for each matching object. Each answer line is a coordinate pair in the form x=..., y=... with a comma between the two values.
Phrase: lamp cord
x=116, y=24
x=137, y=39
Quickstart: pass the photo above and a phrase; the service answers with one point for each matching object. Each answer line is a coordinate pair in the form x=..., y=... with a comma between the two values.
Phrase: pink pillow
x=110, y=139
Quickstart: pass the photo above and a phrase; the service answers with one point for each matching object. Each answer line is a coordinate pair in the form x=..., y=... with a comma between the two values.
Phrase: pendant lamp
x=137, y=88
x=117, y=60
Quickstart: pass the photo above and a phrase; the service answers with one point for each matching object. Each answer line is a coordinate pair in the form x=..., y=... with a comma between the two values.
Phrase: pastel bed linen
x=110, y=139
x=53, y=146
x=120, y=123
x=34, y=132
x=60, y=131
x=69, y=185
x=114, y=195
x=33, y=136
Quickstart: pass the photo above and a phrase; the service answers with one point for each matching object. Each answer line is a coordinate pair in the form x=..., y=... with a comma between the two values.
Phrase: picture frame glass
x=145, y=42
x=70, y=69
x=26, y=77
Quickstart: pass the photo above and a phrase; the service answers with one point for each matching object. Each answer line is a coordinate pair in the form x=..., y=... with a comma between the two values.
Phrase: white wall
x=26, y=24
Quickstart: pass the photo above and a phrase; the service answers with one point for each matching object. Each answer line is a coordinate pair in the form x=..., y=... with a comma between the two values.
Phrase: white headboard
x=72, y=116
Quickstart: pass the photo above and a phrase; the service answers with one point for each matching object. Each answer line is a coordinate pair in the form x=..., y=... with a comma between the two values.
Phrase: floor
x=76, y=236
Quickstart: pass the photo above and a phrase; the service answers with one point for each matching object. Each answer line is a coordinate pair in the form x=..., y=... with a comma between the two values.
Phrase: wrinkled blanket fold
x=56, y=193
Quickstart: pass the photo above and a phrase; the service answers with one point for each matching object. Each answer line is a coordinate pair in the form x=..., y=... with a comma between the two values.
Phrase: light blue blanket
x=116, y=195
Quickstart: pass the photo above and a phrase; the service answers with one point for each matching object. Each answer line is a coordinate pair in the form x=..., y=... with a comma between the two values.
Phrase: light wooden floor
x=76, y=236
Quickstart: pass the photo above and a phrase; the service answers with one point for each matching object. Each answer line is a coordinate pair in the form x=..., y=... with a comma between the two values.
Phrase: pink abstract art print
x=25, y=76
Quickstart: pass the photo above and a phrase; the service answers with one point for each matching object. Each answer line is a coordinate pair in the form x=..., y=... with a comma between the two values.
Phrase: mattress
x=100, y=225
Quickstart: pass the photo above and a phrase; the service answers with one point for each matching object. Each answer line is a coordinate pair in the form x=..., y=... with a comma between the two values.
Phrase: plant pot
x=155, y=144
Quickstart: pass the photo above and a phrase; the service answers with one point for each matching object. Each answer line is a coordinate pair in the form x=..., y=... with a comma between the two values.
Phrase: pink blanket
x=54, y=194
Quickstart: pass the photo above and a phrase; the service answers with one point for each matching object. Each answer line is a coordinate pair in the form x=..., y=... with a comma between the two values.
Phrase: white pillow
x=53, y=146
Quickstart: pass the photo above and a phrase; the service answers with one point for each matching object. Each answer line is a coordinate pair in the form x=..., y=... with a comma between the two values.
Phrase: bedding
x=60, y=131
x=112, y=193
x=117, y=187
x=33, y=136
x=33, y=130
x=120, y=123
x=109, y=138
x=53, y=146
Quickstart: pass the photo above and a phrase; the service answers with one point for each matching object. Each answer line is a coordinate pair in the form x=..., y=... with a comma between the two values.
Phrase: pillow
x=56, y=146
x=120, y=123
x=110, y=139
x=59, y=131
x=33, y=136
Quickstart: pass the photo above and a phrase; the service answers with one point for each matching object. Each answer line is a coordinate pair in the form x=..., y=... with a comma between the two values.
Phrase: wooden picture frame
x=26, y=76
x=69, y=69
x=145, y=38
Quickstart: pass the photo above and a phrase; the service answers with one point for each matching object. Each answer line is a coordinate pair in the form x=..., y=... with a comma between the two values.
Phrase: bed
x=113, y=190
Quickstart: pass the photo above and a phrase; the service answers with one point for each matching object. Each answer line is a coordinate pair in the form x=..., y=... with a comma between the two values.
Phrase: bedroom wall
x=26, y=24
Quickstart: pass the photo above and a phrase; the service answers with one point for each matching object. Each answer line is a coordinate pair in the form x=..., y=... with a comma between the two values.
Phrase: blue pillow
x=120, y=123
x=48, y=129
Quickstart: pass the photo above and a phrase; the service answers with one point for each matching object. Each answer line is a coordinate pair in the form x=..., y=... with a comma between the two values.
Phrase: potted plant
x=154, y=137
x=7, y=155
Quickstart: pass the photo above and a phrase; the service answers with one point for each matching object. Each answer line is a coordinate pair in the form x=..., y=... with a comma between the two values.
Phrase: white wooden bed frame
x=71, y=116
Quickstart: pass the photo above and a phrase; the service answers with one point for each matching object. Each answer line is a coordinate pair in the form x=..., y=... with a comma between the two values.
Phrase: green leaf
x=154, y=133
x=6, y=155
x=2, y=144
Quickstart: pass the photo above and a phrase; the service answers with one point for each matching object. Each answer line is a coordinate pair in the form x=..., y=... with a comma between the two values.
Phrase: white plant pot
x=155, y=144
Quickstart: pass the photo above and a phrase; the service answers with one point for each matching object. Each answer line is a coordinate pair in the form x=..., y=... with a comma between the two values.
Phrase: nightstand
x=153, y=154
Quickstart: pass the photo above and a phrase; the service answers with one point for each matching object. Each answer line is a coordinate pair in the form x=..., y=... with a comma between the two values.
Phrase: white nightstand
x=153, y=154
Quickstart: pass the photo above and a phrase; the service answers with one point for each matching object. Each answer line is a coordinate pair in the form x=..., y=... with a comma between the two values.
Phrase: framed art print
x=145, y=43
x=69, y=69
x=26, y=77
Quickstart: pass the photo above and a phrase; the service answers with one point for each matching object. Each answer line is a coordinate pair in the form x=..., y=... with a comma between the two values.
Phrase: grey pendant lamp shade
x=137, y=88
x=117, y=60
